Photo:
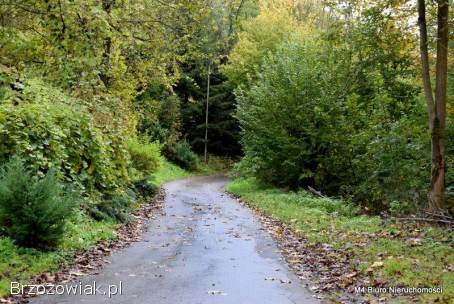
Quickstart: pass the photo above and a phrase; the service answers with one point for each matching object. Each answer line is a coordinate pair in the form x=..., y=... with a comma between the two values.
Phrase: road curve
x=204, y=248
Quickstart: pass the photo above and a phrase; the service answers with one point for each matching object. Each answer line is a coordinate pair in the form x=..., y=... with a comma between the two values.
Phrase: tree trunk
x=234, y=18
x=437, y=185
x=436, y=108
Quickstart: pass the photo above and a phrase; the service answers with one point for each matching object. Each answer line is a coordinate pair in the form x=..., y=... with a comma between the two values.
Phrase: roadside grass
x=82, y=232
x=169, y=172
x=20, y=264
x=408, y=254
x=215, y=165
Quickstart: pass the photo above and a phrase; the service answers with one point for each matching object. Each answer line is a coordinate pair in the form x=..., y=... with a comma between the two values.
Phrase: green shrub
x=391, y=163
x=146, y=187
x=33, y=211
x=55, y=135
x=169, y=117
x=144, y=156
x=117, y=207
x=302, y=127
x=216, y=164
x=293, y=118
x=158, y=112
x=180, y=153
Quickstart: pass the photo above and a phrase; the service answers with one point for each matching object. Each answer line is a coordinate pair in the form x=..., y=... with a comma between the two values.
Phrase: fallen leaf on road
x=215, y=292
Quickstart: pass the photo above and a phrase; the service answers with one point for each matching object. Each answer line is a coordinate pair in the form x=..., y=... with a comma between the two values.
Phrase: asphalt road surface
x=205, y=248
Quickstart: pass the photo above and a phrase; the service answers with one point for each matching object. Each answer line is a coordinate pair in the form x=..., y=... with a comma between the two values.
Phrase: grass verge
x=169, y=172
x=383, y=251
x=215, y=165
x=20, y=264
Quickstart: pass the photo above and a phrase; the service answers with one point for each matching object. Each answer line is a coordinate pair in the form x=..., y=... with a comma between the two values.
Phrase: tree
x=214, y=131
x=436, y=107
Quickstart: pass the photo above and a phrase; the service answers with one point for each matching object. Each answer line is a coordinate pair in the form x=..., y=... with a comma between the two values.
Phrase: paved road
x=205, y=248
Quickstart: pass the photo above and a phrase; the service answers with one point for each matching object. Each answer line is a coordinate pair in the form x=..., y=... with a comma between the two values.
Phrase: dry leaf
x=377, y=264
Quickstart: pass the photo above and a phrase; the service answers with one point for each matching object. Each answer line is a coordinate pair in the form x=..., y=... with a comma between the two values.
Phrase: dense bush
x=49, y=134
x=180, y=153
x=342, y=112
x=293, y=118
x=145, y=187
x=303, y=127
x=169, y=117
x=144, y=156
x=159, y=114
x=116, y=207
x=391, y=163
x=33, y=211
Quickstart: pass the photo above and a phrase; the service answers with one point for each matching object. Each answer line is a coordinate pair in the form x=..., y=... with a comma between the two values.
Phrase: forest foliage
x=329, y=96
x=321, y=94
x=87, y=92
